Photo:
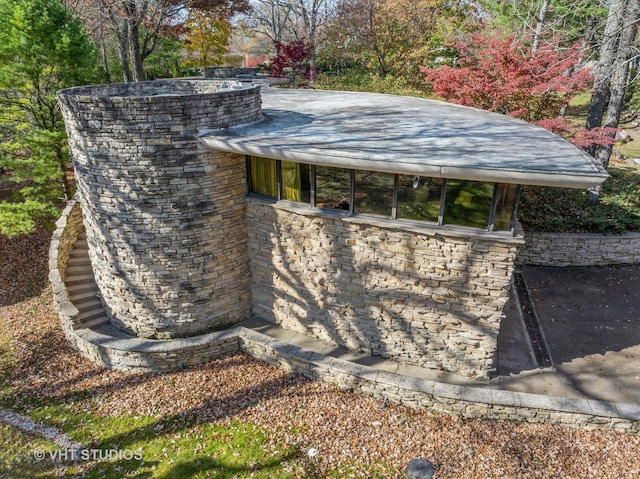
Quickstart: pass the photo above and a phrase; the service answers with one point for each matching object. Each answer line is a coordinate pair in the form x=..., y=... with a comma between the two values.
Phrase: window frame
x=490, y=228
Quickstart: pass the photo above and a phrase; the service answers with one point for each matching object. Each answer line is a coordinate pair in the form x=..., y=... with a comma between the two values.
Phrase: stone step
x=87, y=303
x=78, y=270
x=83, y=295
x=94, y=323
x=90, y=314
x=81, y=288
x=79, y=279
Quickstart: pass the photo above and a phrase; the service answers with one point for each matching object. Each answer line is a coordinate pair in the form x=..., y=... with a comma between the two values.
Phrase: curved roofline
x=406, y=135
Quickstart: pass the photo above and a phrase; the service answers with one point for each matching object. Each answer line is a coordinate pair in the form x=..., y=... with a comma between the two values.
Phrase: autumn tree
x=206, y=39
x=138, y=25
x=295, y=22
x=504, y=75
x=396, y=37
x=42, y=49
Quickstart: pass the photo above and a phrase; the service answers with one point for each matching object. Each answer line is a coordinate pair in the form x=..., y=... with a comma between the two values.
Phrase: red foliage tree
x=292, y=59
x=503, y=75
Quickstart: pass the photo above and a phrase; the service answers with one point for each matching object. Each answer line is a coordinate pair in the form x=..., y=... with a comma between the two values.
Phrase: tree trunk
x=540, y=21
x=603, y=69
x=618, y=83
x=123, y=50
x=134, y=50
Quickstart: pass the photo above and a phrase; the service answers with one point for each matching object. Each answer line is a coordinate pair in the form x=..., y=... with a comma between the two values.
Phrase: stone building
x=378, y=223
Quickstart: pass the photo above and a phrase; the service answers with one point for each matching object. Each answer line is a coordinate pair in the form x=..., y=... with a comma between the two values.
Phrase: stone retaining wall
x=68, y=227
x=465, y=401
x=579, y=249
x=164, y=216
x=428, y=297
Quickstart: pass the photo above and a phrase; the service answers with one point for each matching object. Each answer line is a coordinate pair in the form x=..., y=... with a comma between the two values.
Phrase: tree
x=206, y=39
x=504, y=75
x=138, y=25
x=294, y=21
x=42, y=49
x=396, y=37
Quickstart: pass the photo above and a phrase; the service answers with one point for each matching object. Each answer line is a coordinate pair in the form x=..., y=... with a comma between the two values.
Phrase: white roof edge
x=460, y=173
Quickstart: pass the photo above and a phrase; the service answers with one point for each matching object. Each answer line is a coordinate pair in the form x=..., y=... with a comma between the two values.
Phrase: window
x=333, y=187
x=488, y=206
x=374, y=192
x=419, y=198
x=263, y=176
x=468, y=203
x=506, y=202
x=296, y=181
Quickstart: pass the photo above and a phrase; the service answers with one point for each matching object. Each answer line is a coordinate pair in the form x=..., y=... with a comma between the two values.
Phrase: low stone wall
x=579, y=249
x=68, y=227
x=465, y=401
x=164, y=216
x=229, y=72
x=429, y=297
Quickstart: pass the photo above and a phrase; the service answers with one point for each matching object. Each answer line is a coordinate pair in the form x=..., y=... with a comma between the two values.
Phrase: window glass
x=374, y=192
x=296, y=181
x=332, y=187
x=468, y=203
x=419, y=198
x=263, y=176
x=506, y=202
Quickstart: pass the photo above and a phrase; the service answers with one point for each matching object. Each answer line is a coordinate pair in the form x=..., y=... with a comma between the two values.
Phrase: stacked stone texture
x=580, y=249
x=164, y=216
x=430, y=299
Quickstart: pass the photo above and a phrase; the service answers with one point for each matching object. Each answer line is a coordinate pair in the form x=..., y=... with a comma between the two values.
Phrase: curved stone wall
x=164, y=217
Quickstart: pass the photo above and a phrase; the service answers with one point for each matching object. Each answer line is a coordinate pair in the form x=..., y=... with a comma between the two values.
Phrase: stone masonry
x=428, y=297
x=164, y=216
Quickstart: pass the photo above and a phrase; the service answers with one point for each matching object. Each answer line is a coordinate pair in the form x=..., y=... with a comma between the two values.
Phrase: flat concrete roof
x=406, y=135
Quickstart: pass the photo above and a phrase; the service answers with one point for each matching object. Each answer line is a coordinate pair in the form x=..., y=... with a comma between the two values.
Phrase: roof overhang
x=409, y=136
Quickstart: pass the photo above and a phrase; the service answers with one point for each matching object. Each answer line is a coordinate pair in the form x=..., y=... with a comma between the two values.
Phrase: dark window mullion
x=352, y=191
x=514, y=214
x=279, y=179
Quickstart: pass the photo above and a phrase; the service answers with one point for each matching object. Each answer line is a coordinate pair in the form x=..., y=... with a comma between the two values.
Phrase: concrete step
x=79, y=296
x=87, y=304
x=91, y=314
x=79, y=279
x=78, y=260
x=78, y=270
x=81, y=288
x=81, y=244
x=94, y=323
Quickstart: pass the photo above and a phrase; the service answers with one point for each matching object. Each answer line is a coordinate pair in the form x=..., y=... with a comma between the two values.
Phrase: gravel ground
x=343, y=427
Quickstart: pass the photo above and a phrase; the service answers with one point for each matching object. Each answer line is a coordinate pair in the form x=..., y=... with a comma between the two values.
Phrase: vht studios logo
x=64, y=455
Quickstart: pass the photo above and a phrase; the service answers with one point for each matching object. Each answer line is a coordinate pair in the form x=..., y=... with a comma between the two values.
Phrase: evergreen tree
x=42, y=49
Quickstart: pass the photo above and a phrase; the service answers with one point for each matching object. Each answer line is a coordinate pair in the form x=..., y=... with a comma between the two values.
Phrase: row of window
x=490, y=206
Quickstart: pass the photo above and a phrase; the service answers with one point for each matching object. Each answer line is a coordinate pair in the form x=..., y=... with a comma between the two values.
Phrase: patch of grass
x=26, y=455
x=158, y=447
x=561, y=210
